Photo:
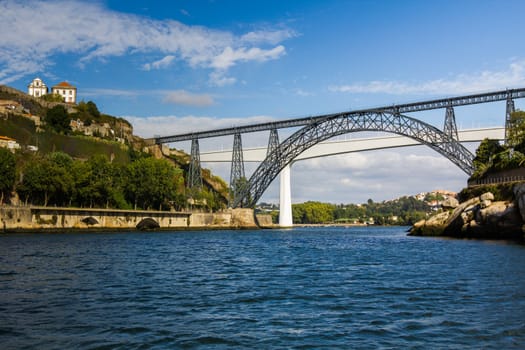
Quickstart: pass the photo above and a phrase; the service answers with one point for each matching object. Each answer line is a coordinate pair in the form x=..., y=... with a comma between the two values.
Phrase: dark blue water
x=359, y=288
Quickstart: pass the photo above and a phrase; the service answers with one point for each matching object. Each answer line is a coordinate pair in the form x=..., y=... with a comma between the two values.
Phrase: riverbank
x=52, y=219
x=496, y=214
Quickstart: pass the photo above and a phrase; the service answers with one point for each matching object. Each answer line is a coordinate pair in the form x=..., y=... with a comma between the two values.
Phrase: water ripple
x=366, y=288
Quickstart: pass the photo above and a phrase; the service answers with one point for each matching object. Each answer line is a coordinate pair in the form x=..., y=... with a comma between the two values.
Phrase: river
x=308, y=288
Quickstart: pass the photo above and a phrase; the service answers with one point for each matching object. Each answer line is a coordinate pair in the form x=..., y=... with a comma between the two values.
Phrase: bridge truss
x=319, y=128
x=503, y=95
x=322, y=130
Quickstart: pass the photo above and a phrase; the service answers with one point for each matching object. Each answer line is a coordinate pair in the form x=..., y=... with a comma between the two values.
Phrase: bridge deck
x=352, y=145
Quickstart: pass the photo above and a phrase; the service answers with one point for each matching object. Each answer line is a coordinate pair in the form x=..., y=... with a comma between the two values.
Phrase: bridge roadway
x=330, y=148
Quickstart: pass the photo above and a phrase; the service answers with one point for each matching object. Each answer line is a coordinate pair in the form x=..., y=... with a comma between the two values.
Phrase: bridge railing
x=495, y=180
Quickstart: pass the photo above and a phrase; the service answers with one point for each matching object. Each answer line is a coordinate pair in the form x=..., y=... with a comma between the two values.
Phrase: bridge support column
x=450, y=127
x=508, y=115
x=273, y=141
x=194, y=173
x=237, y=178
x=285, y=199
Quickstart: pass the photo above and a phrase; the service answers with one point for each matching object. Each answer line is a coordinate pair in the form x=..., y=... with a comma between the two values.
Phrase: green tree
x=313, y=213
x=485, y=153
x=58, y=119
x=46, y=182
x=52, y=98
x=154, y=183
x=92, y=109
x=516, y=132
x=7, y=172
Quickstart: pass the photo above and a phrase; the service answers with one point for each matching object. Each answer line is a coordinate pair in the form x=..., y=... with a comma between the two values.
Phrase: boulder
x=477, y=218
x=519, y=194
x=434, y=226
x=485, y=203
x=487, y=196
x=492, y=213
x=450, y=203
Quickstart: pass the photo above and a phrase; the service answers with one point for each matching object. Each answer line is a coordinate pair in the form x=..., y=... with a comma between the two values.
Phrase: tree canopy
x=491, y=156
x=7, y=172
x=146, y=183
x=58, y=119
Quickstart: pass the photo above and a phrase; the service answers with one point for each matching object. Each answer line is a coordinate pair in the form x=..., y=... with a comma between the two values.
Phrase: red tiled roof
x=64, y=84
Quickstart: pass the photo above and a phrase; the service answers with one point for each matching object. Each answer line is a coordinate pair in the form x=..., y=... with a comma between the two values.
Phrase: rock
x=519, y=194
x=485, y=203
x=434, y=226
x=491, y=214
x=479, y=217
x=450, y=203
x=487, y=196
x=456, y=221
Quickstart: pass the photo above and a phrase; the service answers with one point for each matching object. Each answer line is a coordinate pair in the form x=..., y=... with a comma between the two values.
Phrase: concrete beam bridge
x=316, y=130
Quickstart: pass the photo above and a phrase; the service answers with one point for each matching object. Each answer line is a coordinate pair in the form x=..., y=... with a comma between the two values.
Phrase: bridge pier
x=450, y=127
x=508, y=115
x=285, y=198
x=237, y=178
x=194, y=173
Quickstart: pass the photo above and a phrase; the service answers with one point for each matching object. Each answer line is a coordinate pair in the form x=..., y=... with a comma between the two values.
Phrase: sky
x=179, y=66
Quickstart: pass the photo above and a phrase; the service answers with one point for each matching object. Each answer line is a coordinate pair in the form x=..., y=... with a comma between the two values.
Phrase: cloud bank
x=513, y=76
x=34, y=32
x=183, y=97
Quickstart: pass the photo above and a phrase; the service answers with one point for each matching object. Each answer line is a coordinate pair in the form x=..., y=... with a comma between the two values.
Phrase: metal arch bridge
x=319, y=128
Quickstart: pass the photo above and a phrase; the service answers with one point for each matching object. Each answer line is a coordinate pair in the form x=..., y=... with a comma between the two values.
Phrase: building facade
x=37, y=88
x=9, y=143
x=67, y=91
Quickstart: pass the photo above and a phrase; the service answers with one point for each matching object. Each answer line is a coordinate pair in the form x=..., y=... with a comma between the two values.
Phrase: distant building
x=37, y=88
x=67, y=91
x=9, y=143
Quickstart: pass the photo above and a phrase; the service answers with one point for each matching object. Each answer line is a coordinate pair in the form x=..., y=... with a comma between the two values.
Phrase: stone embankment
x=478, y=217
x=49, y=219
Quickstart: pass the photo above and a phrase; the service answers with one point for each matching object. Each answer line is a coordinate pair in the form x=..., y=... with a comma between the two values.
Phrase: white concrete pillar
x=285, y=199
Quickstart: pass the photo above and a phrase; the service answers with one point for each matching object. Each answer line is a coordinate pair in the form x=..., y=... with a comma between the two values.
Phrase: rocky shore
x=479, y=217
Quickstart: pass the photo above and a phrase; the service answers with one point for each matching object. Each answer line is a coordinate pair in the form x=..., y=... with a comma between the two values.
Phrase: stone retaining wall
x=62, y=219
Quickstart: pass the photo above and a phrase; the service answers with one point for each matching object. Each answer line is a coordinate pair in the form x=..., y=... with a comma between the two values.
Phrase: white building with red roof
x=66, y=90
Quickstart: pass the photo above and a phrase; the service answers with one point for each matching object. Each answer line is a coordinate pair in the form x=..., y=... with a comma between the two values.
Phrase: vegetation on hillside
x=72, y=169
x=57, y=179
x=7, y=172
x=402, y=211
x=492, y=157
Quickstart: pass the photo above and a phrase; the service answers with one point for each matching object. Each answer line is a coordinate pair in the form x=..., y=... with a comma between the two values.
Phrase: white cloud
x=229, y=56
x=513, y=76
x=268, y=36
x=91, y=31
x=380, y=175
x=171, y=125
x=109, y=92
x=183, y=97
x=162, y=63
x=219, y=78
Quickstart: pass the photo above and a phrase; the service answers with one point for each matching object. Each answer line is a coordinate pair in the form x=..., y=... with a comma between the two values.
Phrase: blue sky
x=181, y=66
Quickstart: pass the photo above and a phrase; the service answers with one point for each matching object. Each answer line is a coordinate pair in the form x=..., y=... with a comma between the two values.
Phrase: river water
x=337, y=288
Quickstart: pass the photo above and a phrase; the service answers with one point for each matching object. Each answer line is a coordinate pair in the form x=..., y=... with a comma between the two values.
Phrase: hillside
x=40, y=129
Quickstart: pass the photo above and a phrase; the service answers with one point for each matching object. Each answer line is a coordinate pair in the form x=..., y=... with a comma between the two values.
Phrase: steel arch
x=320, y=130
